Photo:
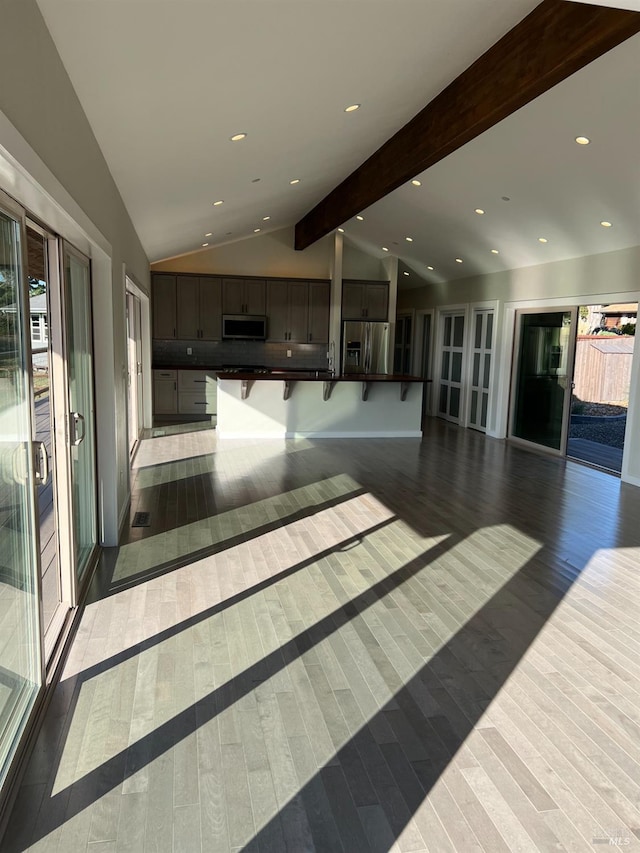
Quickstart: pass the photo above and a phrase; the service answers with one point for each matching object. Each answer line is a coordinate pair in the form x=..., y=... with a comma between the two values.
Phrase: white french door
x=450, y=387
x=481, y=363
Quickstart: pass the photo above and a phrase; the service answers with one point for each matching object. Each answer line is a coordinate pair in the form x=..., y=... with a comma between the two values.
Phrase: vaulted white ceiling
x=166, y=83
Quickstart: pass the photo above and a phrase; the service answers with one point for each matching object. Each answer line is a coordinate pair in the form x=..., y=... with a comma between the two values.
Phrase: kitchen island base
x=301, y=408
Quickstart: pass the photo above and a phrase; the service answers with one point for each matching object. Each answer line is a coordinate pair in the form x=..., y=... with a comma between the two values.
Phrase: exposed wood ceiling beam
x=554, y=41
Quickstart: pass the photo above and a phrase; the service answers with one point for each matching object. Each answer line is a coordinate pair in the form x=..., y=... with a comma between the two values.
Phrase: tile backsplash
x=218, y=353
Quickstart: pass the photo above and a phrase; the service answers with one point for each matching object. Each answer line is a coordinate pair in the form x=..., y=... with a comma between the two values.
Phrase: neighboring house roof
x=628, y=308
x=37, y=305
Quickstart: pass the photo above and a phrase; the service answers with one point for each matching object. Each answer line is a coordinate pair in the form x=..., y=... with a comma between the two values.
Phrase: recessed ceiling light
x=430, y=268
x=505, y=198
x=255, y=230
x=479, y=211
x=218, y=203
x=583, y=140
x=266, y=218
x=605, y=224
x=542, y=240
x=237, y=137
x=409, y=239
x=341, y=230
x=254, y=180
x=416, y=182
x=352, y=108
x=295, y=181
x=405, y=273
x=360, y=218
x=458, y=260
x=495, y=252
x=384, y=249
x=204, y=244
x=210, y=234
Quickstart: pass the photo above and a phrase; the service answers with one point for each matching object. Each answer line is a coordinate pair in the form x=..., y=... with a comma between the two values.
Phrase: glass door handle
x=78, y=436
x=19, y=464
x=42, y=464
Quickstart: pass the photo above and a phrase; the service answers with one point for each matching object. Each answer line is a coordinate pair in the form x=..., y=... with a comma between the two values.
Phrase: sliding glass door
x=21, y=669
x=79, y=356
x=541, y=381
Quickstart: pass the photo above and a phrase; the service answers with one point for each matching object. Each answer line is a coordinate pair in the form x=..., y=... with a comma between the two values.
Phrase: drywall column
x=335, y=313
x=631, y=458
x=390, y=266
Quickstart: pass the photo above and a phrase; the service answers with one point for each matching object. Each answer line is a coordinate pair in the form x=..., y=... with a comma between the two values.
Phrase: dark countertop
x=295, y=374
x=320, y=376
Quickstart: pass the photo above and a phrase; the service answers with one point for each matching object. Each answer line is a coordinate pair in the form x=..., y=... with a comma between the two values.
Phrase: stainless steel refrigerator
x=365, y=347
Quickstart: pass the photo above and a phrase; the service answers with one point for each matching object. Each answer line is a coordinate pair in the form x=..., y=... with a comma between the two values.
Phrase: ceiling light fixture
x=266, y=218
x=416, y=182
x=352, y=108
x=479, y=211
x=210, y=234
x=495, y=252
x=255, y=230
x=204, y=244
x=505, y=198
x=431, y=268
x=295, y=181
x=341, y=230
x=405, y=273
x=237, y=137
x=458, y=260
x=360, y=218
x=409, y=239
x=583, y=140
x=384, y=249
x=542, y=240
x=605, y=224
x=254, y=180
x=218, y=203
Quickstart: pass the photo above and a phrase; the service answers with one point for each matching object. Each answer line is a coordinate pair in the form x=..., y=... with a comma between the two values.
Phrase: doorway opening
x=601, y=383
x=541, y=378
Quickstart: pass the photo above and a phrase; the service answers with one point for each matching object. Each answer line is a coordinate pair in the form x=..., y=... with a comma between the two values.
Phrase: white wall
x=265, y=414
x=357, y=263
x=269, y=254
x=593, y=279
x=577, y=278
x=51, y=163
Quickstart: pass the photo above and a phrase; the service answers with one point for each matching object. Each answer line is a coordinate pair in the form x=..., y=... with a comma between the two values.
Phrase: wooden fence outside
x=603, y=368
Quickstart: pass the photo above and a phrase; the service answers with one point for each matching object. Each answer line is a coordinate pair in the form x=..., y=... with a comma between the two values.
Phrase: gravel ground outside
x=607, y=432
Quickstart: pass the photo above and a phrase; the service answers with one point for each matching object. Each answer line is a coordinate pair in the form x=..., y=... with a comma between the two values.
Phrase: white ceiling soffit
x=165, y=84
x=633, y=5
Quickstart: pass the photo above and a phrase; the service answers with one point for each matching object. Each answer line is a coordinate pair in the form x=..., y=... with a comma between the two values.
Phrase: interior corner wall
x=271, y=254
x=48, y=147
x=356, y=263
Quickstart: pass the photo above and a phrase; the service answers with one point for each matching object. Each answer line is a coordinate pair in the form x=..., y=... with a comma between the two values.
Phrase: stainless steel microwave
x=244, y=327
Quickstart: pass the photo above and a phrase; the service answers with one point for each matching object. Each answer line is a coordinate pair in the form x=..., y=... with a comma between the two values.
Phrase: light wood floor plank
x=384, y=645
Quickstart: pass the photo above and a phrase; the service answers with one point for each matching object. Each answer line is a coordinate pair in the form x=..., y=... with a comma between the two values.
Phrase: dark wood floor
x=352, y=646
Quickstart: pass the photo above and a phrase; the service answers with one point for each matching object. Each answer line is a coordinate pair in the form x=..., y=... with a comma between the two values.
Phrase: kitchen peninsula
x=315, y=404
